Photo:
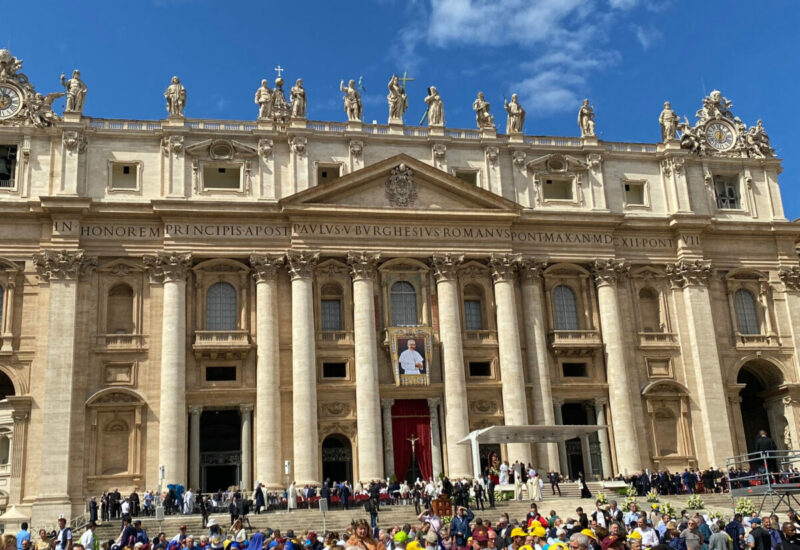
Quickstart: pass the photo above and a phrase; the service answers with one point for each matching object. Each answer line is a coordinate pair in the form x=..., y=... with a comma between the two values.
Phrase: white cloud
x=550, y=92
x=647, y=37
x=623, y=4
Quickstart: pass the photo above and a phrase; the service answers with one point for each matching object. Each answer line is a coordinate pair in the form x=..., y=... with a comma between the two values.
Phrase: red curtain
x=411, y=417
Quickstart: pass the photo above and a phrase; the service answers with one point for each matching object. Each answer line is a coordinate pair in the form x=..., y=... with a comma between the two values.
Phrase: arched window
x=221, y=307
x=650, y=310
x=566, y=308
x=746, y=312
x=473, y=308
x=119, y=310
x=331, y=307
x=404, y=304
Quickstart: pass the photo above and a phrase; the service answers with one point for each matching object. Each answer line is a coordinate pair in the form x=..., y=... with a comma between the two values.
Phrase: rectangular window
x=221, y=177
x=334, y=370
x=328, y=172
x=480, y=368
x=473, y=315
x=8, y=166
x=331, y=315
x=124, y=176
x=727, y=189
x=220, y=374
x=557, y=189
x=469, y=176
x=574, y=370
x=634, y=193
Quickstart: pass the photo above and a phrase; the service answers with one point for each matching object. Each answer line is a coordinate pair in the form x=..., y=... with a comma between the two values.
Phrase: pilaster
x=436, y=442
x=388, y=436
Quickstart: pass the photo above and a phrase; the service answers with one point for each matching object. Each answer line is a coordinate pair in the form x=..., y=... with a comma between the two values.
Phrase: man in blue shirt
x=23, y=534
x=459, y=527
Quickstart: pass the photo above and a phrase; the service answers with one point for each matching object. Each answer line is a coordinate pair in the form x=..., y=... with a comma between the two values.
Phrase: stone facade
x=167, y=283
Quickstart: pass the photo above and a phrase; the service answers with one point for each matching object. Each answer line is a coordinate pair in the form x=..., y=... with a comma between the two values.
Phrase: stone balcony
x=120, y=342
x=756, y=341
x=658, y=340
x=227, y=344
x=335, y=338
x=575, y=342
x=480, y=337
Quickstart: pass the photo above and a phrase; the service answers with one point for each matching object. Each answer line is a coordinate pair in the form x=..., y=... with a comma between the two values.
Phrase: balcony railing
x=121, y=341
x=658, y=340
x=5, y=469
x=480, y=336
x=751, y=341
x=335, y=337
x=224, y=338
x=575, y=341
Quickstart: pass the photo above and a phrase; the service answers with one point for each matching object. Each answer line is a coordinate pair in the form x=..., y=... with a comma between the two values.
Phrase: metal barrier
x=765, y=474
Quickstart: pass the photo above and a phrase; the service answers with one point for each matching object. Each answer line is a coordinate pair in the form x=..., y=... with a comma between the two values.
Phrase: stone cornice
x=445, y=266
x=301, y=263
x=265, y=266
x=363, y=265
x=63, y=264
x=168, y=266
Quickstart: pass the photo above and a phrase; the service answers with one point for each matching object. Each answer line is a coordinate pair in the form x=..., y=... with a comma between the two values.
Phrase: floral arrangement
x=714, y=516
x=630, y=500
x=745, y=507
x=631, y=491
x=667, y=508
x=695, y=502
x=652, y=496
x=601, y=498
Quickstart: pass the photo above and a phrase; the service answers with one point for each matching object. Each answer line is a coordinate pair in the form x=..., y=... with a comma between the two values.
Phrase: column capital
x=600, y=401
x=363, y=265
x=558, y=401
x=195, y=410
x=504, y=266
x=689, y=273
x=532, y=269
x=434, y=402
x=164, y=267
x=265, y=266
x=63, y=264
x=301, y=263
x=790, y=276
x=387, y=403
x=445, y=266
x=608, y=272
x=245, y=408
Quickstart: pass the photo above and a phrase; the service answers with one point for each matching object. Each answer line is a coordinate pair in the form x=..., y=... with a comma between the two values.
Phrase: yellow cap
x=588, y=533
x=539, y=532
x=635, y=535
x=414, y=545
x=517, y=532
x=535, y=523
x=558, y=546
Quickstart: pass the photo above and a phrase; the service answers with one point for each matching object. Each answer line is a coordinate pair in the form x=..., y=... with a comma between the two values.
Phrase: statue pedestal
x=489, y=133
x=72, y=116
x=354, y=125
x=297, y=123
x=436, y=130
x=515, y=137
x=175, y=122
x=395, y=127
x=669, y=145
x=265, y=124
x=590, y=140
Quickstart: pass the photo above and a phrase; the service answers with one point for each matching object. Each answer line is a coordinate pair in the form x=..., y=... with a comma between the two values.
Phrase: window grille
x=404, y=304
x=473, y=314
x=331, y=315
x=746, y=312
x=566, y=309
x=221, y=307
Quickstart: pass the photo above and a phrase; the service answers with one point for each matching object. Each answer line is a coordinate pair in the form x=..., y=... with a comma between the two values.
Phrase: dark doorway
x=337, y=458
x=220, y=449
x=574, y=414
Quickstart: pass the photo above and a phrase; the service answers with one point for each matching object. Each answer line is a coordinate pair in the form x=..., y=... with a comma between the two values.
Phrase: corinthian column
x=268, y=372
x=368, y=405
x=456, y=418
x=537, y=357
x=171, y=269
x=693, y=277
x=304, y=368
x=606, y=273
x=61, y=269
x=20, y=415
x=515, y=404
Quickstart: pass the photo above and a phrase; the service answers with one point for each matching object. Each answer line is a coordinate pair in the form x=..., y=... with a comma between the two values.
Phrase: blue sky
x=627, y=56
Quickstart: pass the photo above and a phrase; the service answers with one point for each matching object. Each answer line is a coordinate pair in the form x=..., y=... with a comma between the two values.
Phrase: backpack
x=732, y=529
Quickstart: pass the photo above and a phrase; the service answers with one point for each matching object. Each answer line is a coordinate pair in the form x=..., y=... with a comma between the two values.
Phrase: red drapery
x=411, y=416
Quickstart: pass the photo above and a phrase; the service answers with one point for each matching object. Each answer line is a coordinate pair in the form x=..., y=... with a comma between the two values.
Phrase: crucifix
x=279, y=70
x=413, y=439
x=405, y=78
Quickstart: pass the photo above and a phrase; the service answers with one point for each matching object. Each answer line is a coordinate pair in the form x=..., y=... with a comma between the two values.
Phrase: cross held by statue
x=279, y=70
x=405, y=78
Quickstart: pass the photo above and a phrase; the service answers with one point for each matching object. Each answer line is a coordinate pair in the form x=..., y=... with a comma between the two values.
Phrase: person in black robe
x=765, y=444
x=585, y=492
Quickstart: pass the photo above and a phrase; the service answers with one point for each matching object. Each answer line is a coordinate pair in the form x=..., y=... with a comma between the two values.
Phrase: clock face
x=10, y=101
x=720, y=136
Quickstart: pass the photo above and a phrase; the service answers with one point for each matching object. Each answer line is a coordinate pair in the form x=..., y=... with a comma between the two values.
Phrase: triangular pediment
x=400, y=183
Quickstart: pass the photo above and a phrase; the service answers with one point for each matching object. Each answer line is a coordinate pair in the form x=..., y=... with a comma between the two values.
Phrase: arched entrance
x=337, y=458
x=583, y=454
x=760, y=407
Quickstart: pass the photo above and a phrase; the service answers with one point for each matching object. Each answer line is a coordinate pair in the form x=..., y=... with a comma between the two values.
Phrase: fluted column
x=268, y=373
x=388, y=437
x=515, y=403
x=456, y=418
x=605, y=449
x=436, y=441
x=693, y=278
x=21, y=416
x=304, y=368
x=171, y=269
x=194, y=446
x=607, y=273
x=246, y=415
x=368, y=405
x=562, y=445
x=62, y=269
x=538, y=357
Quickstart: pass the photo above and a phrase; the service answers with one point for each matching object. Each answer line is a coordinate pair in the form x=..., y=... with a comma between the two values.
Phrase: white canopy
x=524, y=434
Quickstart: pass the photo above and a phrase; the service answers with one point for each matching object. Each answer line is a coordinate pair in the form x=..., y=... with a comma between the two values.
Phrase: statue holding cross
x=398, y=101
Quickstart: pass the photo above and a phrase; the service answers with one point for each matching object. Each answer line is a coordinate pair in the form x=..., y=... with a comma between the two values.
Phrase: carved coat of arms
x=401, y=190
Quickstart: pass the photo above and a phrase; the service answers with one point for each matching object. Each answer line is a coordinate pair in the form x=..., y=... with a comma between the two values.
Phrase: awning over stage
x=523, y=434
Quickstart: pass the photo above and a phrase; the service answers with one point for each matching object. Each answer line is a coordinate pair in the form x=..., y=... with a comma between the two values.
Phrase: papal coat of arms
x=400, y=187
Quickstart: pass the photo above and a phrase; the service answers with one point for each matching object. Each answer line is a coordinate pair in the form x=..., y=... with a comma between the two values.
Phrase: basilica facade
x=217, y=303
